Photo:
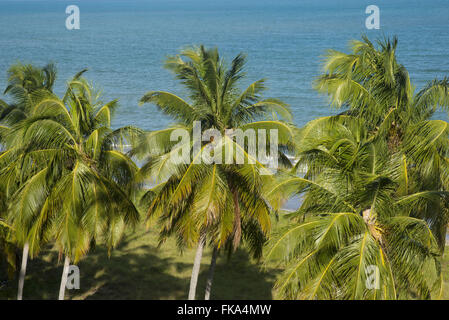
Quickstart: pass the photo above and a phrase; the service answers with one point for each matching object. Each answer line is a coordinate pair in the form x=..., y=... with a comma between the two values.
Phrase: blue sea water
x=124, y=43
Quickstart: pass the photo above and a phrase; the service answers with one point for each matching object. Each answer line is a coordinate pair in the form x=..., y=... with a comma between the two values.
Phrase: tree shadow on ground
x=238, y=278
x=139, y=270
x=129, y=273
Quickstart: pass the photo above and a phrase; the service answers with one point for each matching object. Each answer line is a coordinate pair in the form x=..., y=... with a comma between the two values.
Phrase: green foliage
x=225, y=201
x=373, y=180
x=374, y=190
x=63, y=176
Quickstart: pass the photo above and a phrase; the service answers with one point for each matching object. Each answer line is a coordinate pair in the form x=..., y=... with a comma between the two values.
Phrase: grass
x=137, y=269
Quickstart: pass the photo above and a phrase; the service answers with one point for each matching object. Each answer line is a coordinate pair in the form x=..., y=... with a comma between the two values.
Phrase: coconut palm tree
x=80, y=186
x=374, y=86
x=361, y=209
x=24, y=80
x=7, y=247
x=374, y=190
x=26, y=84
x=218, y=202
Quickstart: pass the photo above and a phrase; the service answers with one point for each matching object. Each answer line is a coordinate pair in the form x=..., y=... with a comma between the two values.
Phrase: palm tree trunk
x=65, y=272
x=237, y=221
x=23, y=270
x=210, y=276
x=196, y=267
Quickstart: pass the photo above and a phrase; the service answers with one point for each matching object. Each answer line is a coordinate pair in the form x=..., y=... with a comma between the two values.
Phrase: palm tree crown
x=74, y=186
x=216, y=193
x=374, y=193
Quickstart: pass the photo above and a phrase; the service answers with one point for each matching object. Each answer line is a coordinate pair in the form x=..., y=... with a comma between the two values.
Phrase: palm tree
x=7, y=247
x=26, y=84
x=374, y=86
x=360, y=209
x=80, y=186
x=24, y=81
x=374, y=193
x=215, y=203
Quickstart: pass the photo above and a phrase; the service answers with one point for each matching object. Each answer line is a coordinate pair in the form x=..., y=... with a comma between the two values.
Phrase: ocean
x=124, y=43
